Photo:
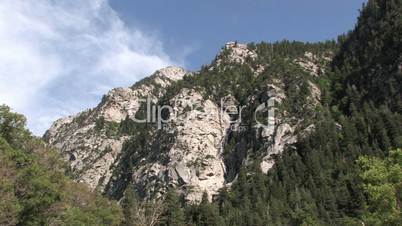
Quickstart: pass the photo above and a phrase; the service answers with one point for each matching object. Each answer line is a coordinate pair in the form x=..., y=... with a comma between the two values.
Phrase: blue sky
x=200, y=28
x=59, y=57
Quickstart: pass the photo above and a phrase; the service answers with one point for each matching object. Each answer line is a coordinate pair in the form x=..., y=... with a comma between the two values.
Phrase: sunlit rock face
x=194, y=162
x=90, y=149
x=190, y=152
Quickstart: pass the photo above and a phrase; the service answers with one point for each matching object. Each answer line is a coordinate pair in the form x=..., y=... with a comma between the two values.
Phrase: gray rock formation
x=194, y=160
x=90, y=148
x=188, y=152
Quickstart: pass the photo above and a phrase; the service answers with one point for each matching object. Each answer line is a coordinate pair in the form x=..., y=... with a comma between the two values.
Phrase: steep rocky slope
x=202, y=141
x=89, y=140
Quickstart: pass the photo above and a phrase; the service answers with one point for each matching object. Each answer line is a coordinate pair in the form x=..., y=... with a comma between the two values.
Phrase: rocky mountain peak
x=238, y=52
x=172, y=72
x=192, y=151
x=90, y=139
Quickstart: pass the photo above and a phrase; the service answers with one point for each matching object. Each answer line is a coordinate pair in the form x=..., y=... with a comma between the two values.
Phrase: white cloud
x=58, y=57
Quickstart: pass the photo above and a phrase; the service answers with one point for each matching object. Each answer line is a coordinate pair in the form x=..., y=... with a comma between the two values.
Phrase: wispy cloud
x=59, y=57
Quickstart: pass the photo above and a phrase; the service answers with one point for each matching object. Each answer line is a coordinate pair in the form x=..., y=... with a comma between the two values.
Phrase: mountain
x=285, y=133
x=91, y=140
x=108, y=151
x=34, y=188
x=370, y=59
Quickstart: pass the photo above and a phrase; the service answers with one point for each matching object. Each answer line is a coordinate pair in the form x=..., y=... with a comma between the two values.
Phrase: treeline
x=347, y=172
x=34, y=188
x=343, y=173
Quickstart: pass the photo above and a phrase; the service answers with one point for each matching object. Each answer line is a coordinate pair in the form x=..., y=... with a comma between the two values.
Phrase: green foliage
x=10, y=208
x=80, y=119
x=322, y=180
x=130, y=205
x=12, y=126
x=112, y=129
x=173, y=214
x=99, y=124
x=369, y=61
x=34, y=188
x=382, y=183
x=204, y=214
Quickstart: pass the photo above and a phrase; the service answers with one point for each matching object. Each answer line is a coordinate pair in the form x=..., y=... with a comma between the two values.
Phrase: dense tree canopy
x=33, y=187
x=348, y=171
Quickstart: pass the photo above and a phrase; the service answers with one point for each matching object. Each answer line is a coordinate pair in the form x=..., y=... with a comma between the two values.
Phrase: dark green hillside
x=347, y=170
x=320, y=183
x=369, y=65
x=33, y=187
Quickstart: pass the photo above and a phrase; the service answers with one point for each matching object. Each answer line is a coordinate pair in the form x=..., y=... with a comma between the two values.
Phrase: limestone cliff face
x=287, y=126
x=89, y=140
x=193, y=163
x=189, y=152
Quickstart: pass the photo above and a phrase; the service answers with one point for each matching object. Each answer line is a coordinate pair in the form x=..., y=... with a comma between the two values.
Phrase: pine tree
x=173, y=214
x=208, y=213
x=131, y=207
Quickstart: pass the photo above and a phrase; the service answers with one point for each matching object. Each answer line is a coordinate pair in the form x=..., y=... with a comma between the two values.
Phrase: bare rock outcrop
x=187, y=151
x=89, y=140
x=285, y=127
x=313, y=64
x=237, y=53
x=194, y=161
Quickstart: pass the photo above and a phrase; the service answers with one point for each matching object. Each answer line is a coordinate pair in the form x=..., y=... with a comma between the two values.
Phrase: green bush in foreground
x=33, y=187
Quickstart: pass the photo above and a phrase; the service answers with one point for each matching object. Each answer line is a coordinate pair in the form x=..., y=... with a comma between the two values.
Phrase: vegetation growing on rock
x=331, y=159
